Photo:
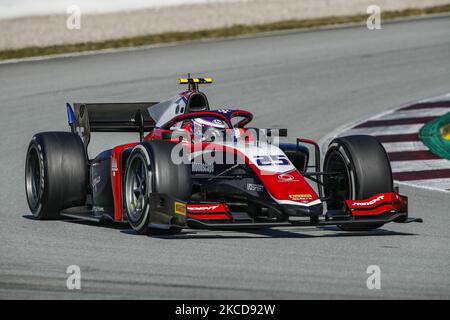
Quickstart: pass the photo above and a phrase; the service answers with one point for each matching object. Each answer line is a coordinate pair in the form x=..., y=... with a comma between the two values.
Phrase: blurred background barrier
x=28, y=23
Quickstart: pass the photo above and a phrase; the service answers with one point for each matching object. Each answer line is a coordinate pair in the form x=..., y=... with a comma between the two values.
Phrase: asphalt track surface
x=311, y=82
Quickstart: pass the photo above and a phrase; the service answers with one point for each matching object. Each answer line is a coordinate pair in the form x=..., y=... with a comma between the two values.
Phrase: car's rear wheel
x=151, y=170
x=55, y=173
x=365, y=171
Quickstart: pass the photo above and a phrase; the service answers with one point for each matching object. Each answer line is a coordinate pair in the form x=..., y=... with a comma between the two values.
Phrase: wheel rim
x=336, y=163
x=33, y=178
x=137, y=188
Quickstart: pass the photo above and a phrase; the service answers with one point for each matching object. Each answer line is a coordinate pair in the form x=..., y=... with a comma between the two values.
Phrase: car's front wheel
x=365, y=171
x=151, y=170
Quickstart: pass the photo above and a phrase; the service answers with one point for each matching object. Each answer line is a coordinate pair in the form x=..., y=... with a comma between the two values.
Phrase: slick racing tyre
x=365, y=170
x=55, y=173
x=151, y=170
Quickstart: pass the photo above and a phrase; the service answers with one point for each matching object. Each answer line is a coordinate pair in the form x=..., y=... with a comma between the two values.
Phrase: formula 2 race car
x=194, y=167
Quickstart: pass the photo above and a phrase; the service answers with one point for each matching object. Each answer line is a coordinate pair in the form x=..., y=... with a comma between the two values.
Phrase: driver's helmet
x=204, y=128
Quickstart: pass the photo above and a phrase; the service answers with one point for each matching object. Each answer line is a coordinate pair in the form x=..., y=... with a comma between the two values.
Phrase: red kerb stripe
x=422, y=175
x=394, y=122
x=428, y=105
x=398, y=138
x=412, y=155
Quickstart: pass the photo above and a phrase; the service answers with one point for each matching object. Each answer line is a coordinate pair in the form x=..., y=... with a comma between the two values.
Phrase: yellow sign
x=180, y=208
x=445, y=132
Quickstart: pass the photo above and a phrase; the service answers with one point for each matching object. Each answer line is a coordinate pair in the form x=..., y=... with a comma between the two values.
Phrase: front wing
x=380, y=209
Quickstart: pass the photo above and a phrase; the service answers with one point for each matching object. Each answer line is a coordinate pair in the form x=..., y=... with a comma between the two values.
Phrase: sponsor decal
x=285, y=177
x=207, y=208
x=254, y=187
x=202, y=167
x=302, y=196
x=180, y=208
x=368, y=203
x=203, y=208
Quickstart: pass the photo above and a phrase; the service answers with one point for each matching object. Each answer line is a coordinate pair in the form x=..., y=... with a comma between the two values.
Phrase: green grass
x=210, y=33
x=432, y=135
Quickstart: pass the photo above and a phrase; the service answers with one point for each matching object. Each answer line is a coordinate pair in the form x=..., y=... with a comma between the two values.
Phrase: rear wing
x=85, y=118
x=194, y=82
